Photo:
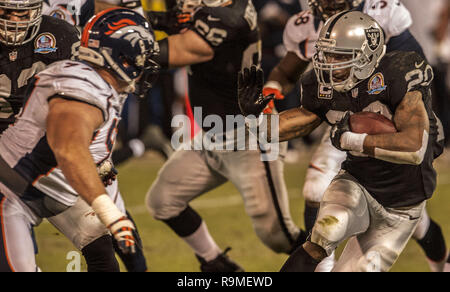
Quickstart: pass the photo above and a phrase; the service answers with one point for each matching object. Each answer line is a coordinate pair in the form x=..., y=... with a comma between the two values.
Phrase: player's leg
x=428, y=235
x=16, y=244
x=379, y=247
x=343, y=213
x=185, y=176
x=265, y=196
x=89, y=235
x=324, y=166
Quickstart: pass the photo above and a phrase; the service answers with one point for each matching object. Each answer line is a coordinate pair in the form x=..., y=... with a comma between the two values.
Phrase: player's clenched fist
x=122, y=230
x=120, y=226
x=250, y=85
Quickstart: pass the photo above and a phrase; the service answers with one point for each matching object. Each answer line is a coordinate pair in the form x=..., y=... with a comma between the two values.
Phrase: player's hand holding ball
x=250, y=85
x=338, y=130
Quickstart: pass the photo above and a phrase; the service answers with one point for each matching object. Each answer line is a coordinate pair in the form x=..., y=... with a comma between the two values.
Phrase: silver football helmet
x=19, y=21
x=358, y=40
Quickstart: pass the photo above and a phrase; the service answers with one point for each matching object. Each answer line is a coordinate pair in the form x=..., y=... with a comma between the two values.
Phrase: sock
x=135, y=263
x=433, y=243
x=100, y=257
x=203, y=244
x=191, y=228
x=310, y=218
x=300, y=261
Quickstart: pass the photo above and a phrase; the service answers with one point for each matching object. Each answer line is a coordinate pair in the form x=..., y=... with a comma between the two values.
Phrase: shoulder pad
x=392, y=16
x=77, y=81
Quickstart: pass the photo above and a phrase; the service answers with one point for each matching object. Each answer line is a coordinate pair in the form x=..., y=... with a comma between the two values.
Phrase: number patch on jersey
x=303, y=18
x=215, y=36
x=419, y=77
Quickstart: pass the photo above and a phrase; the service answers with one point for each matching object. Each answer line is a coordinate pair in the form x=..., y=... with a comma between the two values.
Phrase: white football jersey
x=75, y=12
x=24, y=145
x=302, y=30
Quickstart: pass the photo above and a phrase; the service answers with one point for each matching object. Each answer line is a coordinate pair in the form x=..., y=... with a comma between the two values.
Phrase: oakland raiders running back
x=53, y=161
x=222, y=39
x=379, y=195
x=300, y=36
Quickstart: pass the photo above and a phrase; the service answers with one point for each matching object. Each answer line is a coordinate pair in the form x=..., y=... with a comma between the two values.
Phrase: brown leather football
x=371, y=123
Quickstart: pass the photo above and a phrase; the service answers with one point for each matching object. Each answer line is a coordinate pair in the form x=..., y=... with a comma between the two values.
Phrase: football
x=371, y=123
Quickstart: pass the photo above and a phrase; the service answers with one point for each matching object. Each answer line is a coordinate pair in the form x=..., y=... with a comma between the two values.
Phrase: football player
x=78, y=13
x=48, y=160
x=220, y=39
x=300, y=36
x=75, y=12
x=29, y=42
x=379, y=196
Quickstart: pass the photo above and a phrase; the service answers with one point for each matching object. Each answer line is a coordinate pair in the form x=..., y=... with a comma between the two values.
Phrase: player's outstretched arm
x=407, y=146
x=286, y=74
x=185, y=49
x=292, y=123
x=296, y=123
x=70, y=128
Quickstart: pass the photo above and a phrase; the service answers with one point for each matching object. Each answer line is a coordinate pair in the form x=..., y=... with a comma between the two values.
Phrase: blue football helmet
x=122, y=41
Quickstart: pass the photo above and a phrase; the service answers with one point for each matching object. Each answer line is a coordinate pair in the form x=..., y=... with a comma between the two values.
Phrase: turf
x=224, y=213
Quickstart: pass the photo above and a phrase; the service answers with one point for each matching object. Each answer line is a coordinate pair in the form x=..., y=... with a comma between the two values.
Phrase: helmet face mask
x=349, y=49
x=325, y=9
x=19, y=21
x=122, y=41
x=191, y=5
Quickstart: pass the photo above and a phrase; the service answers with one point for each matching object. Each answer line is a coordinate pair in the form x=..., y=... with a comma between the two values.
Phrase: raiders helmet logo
x=373, y=36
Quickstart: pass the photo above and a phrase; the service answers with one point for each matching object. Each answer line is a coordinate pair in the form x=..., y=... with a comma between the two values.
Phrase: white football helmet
x=356, y=37
x=19, y=21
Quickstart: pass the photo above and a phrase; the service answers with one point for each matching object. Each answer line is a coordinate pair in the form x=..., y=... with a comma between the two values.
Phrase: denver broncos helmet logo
x=118, y=25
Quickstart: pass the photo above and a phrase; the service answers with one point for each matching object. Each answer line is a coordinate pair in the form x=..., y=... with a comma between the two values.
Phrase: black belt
x=38, y=202
x=11, y=179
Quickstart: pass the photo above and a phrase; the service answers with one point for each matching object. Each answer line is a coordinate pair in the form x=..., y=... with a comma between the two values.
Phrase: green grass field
x=224, y=213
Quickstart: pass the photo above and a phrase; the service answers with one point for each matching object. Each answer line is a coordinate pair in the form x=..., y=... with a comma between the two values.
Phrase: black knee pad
x=434, y=243
x=186, y=223
x=100, y=256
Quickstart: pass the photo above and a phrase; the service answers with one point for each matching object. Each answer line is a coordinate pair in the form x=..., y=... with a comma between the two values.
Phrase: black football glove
x=339, y=129
x=250, y=86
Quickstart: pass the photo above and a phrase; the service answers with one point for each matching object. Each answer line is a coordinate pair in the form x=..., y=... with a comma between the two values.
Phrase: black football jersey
x=233, y=33
x=392, y=185
x=56, y=40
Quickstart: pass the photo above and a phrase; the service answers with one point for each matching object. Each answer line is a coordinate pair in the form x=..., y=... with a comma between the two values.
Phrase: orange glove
x=271, y=88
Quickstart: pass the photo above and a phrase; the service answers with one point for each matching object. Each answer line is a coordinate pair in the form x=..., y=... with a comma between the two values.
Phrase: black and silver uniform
x=392, y=185
x=56, y=40
x=233, y=34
